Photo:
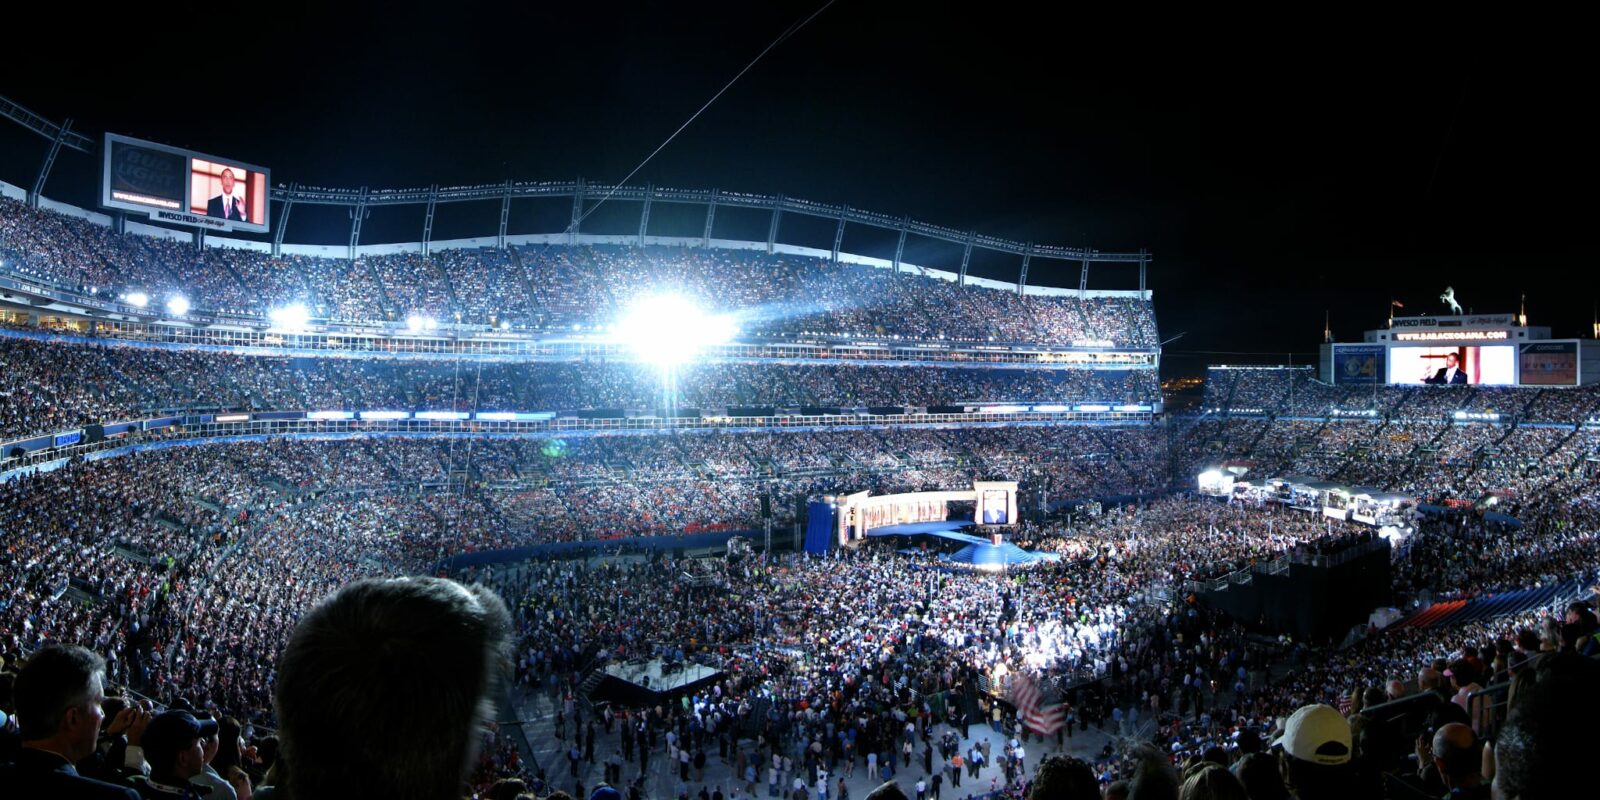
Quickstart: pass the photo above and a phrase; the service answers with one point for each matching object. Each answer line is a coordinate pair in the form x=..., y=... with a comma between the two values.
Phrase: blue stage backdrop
x=819, y=526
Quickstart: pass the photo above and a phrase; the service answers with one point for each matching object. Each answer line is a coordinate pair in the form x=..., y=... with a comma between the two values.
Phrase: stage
x=978, y=552
x=639, y=683
x=947, y=529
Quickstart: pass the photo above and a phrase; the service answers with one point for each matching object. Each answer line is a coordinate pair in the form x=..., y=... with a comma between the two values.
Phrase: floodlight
x=178, y=305
x=669, y=330
x=291, y=317
x=416, y=322
x=137, y=299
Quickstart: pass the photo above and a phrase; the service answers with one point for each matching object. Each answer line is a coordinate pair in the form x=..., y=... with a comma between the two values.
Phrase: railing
x=1487, y=708
x=1344, y=556
x=1283, y=563
x=568, y=345
x=201, y=429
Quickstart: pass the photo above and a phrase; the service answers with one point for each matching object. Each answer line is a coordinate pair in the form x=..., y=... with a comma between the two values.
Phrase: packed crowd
x=190, y=568
x=1436, y=461
x=558, y=287
x=102, y=538
x=48, y=386
x=194, y=569
x=1432, y=460
x=70, y=729
x=836, y=663
x=1257, y=390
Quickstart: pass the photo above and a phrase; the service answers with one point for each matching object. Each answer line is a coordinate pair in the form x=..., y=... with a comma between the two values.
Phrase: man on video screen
x=995, y=508
x=228, y=205
x=1451, y=373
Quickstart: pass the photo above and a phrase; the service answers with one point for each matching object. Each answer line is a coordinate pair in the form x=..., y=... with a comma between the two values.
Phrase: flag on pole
x=1397, y=304
x=1026, y=696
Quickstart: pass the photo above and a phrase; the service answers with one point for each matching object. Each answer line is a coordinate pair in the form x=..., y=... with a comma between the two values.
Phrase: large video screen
x=1550, y=363
x=1358, y=365
x=170, y=184
x=996, y=507
x=1454, y=366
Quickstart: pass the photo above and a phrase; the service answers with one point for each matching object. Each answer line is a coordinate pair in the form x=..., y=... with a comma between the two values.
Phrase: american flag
x=1026, y=696
x=1345, y=702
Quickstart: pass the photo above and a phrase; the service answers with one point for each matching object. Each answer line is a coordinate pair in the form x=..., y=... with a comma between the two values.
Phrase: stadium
x=743, y=513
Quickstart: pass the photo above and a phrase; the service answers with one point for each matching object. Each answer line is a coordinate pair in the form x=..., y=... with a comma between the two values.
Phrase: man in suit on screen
x=995, y=508
x=227, y=205
x=1451, y=373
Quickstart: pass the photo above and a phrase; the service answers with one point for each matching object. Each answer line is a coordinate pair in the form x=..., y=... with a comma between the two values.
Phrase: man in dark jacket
x=58, y=696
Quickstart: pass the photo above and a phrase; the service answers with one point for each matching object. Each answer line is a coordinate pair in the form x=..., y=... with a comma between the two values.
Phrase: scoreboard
x=183, y=187
x=1461, y=350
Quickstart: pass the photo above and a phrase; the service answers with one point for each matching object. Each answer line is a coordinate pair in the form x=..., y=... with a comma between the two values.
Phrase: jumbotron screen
x=1454, y=366
x=170, y=184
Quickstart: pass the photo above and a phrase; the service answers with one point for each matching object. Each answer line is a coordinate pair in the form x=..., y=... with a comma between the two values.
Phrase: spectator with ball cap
x=1315, y=748
x=174, y=744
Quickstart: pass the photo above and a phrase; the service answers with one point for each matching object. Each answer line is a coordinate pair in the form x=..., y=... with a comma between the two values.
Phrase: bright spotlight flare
x=178, y=305
x=291, y=317
x=668, y=330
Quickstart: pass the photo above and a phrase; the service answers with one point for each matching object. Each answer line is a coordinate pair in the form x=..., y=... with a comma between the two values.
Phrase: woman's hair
x=1211, y=781
x=1153, y=776
x=1521, y=684
x=1358, y=698
x=228, y=755
x=1262, y=780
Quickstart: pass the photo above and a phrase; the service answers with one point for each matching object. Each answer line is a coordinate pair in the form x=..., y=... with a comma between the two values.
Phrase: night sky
x=1274, y=167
